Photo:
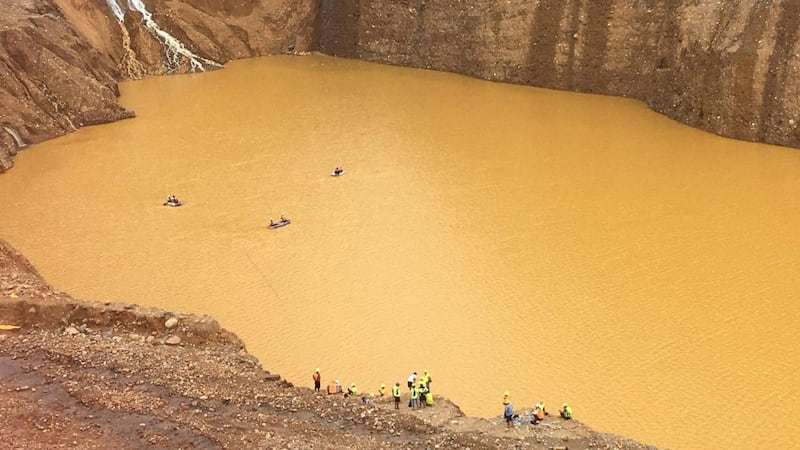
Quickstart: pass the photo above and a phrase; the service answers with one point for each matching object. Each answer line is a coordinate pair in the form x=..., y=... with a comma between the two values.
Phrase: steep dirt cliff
x=728, y=67
x=59, y=59
x=51, y=80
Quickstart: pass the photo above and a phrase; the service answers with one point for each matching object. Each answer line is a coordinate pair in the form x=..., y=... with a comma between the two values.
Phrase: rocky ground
x=90, y=375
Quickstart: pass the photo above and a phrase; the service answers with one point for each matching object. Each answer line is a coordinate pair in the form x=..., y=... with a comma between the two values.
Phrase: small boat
x=174, y=204
x=337, y=174
x=282, y=223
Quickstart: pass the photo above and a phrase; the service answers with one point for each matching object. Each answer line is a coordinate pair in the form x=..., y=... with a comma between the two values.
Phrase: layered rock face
x=51, y=80
x=731, y=68
x=728, y=67
x=60, y=59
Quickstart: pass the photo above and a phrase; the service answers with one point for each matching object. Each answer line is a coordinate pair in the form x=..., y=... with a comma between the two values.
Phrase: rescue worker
x=316, y=379
x=422, y=392
x=396, y=395
x=411, y=379
x=382, y=390
x=427, y=378
x=566, y=412
x=544, y=409
x=352, y=390
x=538, y=414
x=508, y=413
x=414, y=398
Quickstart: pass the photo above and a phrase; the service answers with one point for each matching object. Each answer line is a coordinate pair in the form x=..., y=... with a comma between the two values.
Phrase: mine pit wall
x=51, y=80
x=60, y=59
x=729, y=67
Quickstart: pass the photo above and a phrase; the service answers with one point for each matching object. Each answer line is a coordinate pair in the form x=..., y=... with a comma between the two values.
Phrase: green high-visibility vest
x=414, y=393
x=396, y=390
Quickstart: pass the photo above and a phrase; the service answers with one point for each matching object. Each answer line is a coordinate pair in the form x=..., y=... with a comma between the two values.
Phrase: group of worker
x=419, y=389
x=537, y=415
x=420, y=396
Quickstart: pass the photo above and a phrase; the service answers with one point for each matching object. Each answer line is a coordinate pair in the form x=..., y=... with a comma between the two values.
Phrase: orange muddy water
x=564, y=247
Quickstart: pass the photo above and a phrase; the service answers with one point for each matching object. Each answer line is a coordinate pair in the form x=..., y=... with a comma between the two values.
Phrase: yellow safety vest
x=414, y=393
x=396, y=390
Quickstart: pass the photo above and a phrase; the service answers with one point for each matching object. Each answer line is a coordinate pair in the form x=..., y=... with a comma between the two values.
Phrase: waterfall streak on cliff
x=115, y=7
x=173, y=48
x=16, y=136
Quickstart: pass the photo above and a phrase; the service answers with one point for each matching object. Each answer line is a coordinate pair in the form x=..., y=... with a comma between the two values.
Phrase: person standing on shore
x=411, y=379
x=317, y=380
x=421, y=391
x=508, y=413
x=414, y=398
x=426, y=377
x=396, y=394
